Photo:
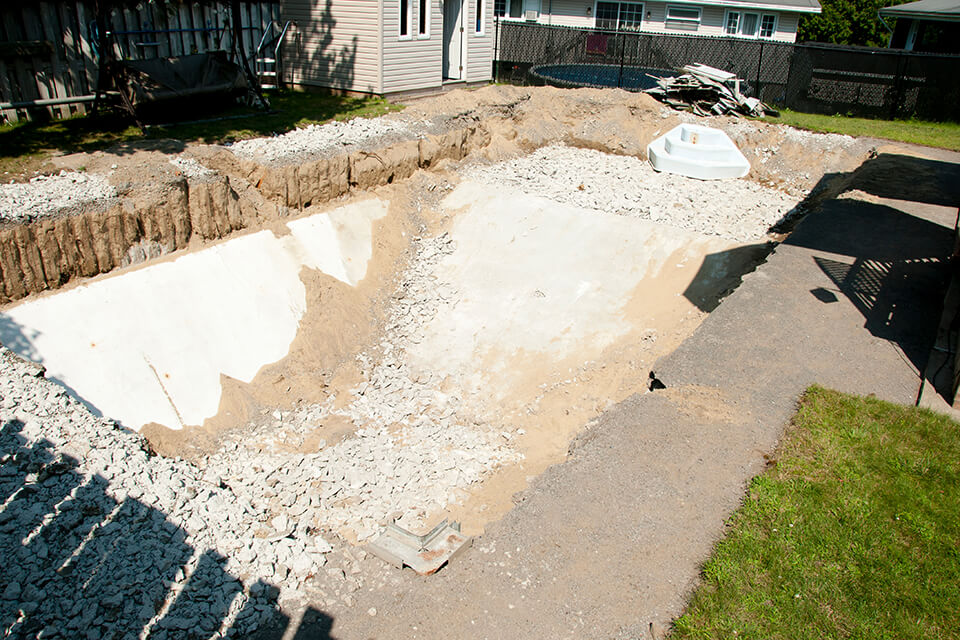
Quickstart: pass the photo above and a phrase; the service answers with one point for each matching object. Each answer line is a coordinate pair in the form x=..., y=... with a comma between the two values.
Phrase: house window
x=406, y=9
x=683, y=18
x=768, y=25
x=733, y=23
x=505, y=8
x=621, y=16
x=750, y=25
x=423, y=19
x=479, y=11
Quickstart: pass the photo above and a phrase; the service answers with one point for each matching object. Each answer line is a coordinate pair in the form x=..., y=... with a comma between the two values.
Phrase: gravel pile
x=414, y=453
x=47, y=195
x=315, y=139
x=191, y=168
x=823, y=141
x=739, y=210
x=102, y=538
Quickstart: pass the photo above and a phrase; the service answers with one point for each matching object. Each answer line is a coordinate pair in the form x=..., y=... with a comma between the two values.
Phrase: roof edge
x=934, y=16
x=765, y=6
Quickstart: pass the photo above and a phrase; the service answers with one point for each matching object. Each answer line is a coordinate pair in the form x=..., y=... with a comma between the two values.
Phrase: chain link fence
x=806, y=77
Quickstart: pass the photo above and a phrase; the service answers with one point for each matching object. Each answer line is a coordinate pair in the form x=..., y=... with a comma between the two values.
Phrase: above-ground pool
x=599, y=75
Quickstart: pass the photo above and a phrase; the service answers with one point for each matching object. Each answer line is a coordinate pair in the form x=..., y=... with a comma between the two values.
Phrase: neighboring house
x=929, y=25
x=387, y=46
x=768, y=19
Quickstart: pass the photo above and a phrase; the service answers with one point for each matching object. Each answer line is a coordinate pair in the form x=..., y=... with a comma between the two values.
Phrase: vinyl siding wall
x=335, y=44
x=567, y=13
x=414, y=63
x=573, y=13
x=479, y=49
x=348, y=44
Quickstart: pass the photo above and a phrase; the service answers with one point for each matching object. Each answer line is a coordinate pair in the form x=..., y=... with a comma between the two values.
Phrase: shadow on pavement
x=890, y=262
x=893, y=265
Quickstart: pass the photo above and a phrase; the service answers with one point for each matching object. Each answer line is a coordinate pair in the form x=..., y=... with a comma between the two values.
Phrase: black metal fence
x=807, y=77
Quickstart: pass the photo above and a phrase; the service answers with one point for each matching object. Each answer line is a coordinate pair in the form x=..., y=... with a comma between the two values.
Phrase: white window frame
x=410, y=25
x=427, y=5
x=619, y=3
x=776, y=23
x=480, y=16
x=667, y=19
x=521, y=6
x=760, y=16
x=726, y=23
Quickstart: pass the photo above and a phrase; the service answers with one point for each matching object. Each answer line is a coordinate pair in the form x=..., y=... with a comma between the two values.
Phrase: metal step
x=272, y=74
x=267, y=60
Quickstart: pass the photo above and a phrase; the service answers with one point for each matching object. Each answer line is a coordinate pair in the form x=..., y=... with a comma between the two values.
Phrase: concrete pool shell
x=532, y=316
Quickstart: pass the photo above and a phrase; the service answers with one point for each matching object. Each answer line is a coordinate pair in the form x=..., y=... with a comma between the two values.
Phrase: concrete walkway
x=611, y=541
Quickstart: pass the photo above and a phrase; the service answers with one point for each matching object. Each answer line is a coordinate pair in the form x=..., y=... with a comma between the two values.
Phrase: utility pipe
x=46, y=102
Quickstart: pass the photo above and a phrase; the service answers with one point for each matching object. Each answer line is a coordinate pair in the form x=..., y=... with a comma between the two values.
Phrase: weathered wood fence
x=49, y=50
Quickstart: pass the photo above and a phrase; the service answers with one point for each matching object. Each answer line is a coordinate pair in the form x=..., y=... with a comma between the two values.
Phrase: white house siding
x=415, y=63
x=335, y=44
x=573, y=13
x=787, y=25
x=567, y=13
x=479, y=49
x=711, y=20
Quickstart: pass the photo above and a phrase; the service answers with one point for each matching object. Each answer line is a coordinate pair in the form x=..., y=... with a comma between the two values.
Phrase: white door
x=453, y=11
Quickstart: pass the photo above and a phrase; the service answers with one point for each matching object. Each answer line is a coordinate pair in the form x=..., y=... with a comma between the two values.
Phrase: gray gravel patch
x=48, y=195
x=739, y=210
x=315, y=139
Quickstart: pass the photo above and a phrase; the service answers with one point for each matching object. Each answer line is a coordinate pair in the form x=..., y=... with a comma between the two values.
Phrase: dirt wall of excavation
x=48, y=253
x=238, y=193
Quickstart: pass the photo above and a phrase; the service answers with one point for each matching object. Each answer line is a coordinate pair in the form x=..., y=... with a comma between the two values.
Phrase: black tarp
x=162, y=80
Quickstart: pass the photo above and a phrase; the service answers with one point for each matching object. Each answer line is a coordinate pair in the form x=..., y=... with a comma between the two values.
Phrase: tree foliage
x=847, y=22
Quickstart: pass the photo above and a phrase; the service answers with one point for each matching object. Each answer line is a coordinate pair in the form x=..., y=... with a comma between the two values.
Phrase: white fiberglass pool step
x=698, y=152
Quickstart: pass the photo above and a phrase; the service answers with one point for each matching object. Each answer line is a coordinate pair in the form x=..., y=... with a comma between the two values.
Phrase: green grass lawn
x=854, y=533
x=25, y=146
x=945, y=135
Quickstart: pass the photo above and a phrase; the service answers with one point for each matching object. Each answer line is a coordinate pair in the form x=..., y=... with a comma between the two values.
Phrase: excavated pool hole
x=334, y=393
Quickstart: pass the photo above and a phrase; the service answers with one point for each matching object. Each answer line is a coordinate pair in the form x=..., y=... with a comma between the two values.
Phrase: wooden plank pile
x=707, y=91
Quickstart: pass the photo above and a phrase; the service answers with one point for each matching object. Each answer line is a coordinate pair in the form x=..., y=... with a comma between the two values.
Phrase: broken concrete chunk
x=424, y=554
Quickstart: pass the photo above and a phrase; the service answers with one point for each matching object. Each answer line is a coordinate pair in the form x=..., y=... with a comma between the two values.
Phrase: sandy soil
x=543, y=312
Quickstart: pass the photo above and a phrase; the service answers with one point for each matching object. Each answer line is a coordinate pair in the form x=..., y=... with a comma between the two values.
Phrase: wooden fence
x=49, y=50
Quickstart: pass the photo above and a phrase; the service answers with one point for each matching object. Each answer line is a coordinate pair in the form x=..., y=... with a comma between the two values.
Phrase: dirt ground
x=541, y=321
x=609, y=543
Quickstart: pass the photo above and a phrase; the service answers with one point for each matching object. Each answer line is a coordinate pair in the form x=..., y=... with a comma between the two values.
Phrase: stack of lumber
x=707, y=91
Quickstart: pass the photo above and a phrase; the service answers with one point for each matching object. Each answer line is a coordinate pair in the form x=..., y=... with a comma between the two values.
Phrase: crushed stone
x=315, y=139
x=100, y=535
x=823, y=141
x=47, y=195
x=191, y=168
x=107, y=538
x=739, y=210
x=416, y=451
